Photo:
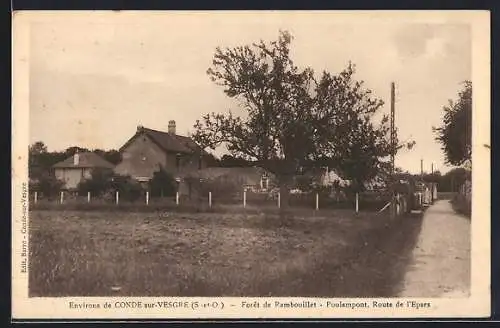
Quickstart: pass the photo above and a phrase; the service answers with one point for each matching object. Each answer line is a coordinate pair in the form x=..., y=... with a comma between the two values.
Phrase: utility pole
x=393, y=150
x=393, y=132
x=422, y=168
x=433, y=182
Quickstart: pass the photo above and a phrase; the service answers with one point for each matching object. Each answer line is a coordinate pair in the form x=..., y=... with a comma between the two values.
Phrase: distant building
x=331, y=178
x=78, y=167
x=148, y=150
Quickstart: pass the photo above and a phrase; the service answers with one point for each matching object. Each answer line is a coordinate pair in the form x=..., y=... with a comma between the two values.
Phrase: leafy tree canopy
x=455, y=133
x=295, y=121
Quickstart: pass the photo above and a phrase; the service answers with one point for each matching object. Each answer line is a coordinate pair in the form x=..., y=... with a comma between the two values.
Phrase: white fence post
x=357, y=202
x=398, y=209
x=117, y=198
x=317, y=201
x=279, y=200
x=244, y=198
x=88, y=197
x=62, y=197
x=147, y=197
x=209, y=199
x=177, y=198
x=36, y=196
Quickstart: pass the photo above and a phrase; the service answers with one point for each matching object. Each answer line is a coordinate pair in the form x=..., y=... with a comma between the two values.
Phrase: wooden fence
x=365, y=201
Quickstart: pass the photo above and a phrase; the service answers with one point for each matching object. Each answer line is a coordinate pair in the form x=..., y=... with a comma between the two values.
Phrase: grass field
x=76, y=253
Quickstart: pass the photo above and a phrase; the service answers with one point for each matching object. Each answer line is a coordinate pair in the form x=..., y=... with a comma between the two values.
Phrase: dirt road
x=440, y=265
x=415, y=256
x=378, y=268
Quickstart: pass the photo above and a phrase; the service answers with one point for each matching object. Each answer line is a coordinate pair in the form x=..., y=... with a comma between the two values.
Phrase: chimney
x=76, y=159
x=139, y=128
x=171, y=127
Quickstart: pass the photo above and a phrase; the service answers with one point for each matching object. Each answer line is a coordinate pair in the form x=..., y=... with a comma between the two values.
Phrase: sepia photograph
x=283, y=160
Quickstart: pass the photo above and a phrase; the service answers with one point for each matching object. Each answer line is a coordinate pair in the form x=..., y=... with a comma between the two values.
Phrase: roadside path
x=440, y=265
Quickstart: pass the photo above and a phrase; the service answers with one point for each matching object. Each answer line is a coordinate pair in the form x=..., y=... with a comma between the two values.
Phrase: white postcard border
x=477, y=305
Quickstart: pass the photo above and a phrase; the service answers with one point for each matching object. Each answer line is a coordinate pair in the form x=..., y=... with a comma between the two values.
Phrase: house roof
x=167, y=141
x=86, y=160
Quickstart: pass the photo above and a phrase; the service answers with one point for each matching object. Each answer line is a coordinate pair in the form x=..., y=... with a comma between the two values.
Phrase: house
x=148, y=150
x=319, y=177
x=331, y=178
x=78, y=167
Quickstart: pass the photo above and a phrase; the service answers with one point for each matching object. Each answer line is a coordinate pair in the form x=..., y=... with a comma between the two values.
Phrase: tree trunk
x=285, y=182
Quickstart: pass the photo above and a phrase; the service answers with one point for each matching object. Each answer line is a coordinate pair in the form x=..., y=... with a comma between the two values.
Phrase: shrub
x=105, y=183
x=129, y=189
x=162, y=184
x=98, y=184
x=462, y=205
x=48, y=185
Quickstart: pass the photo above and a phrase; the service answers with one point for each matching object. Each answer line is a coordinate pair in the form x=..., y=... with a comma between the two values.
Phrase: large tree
x=294, y=122
x=348, y=137
x=455, y=133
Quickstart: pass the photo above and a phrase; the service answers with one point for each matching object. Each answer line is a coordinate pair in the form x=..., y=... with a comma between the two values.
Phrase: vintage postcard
x=251, y=164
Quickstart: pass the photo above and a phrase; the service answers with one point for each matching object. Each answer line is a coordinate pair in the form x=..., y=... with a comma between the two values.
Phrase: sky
x=95, y=77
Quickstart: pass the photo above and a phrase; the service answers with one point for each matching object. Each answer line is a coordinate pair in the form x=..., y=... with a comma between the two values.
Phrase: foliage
x=98, y=184
x=103, y=182
x=41, y=160
x=162, y=184
x=128, y=188
x=37, y=148
x=455, y=134
x=112, y=156
x=348, y=139
x=432, y=177
x=294, y=122
x=462, y=205
x=47, y=184
x=453, y=179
